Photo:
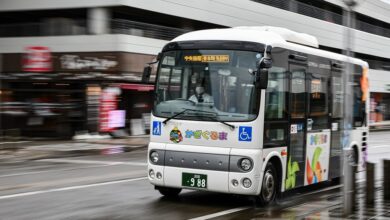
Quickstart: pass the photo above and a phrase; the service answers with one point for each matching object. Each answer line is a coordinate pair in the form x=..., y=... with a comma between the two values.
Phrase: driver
x=200, y=95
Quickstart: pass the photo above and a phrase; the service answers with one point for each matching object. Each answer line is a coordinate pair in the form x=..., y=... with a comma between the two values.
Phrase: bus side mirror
x=262, y=72
x=262, y=78
x=265, y=63
x=148, y=69
x=146, y=74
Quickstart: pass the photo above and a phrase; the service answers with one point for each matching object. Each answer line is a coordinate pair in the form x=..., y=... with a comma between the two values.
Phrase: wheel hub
x=268, y=186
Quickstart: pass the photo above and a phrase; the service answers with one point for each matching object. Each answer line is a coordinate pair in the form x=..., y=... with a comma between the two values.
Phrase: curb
x=28, y=154
x=379, y=129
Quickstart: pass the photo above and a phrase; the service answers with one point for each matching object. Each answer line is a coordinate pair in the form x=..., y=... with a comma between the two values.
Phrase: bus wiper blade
x=174, y=116
x=215, y=117
x=182, y=112
x=225, y=123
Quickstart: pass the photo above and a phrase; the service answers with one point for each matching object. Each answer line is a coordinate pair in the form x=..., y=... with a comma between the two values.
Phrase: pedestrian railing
x=370, y=181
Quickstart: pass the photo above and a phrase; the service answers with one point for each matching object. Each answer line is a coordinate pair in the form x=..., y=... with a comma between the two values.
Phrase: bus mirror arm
x=148, y=69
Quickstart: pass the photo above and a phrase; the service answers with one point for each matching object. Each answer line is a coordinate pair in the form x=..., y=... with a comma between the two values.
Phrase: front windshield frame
x=228, y=115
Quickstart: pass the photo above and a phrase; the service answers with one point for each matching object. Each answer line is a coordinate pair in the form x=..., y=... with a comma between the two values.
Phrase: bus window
x=298, y=105
x=170, y=78
x=359, y=104
x=338, y=100
x=275, y=96
x=318, y=102
x=298, y=87
x=276, y=108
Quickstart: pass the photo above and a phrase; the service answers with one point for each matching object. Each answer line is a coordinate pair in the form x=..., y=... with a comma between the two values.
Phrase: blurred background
x=75, y=114
x=65, y=65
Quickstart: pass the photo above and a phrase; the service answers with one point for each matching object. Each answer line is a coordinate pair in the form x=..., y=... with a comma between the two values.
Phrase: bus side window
x=275, y=123
x=318, y=102
x=276, y=95
x=298, y=89
x=359, y=104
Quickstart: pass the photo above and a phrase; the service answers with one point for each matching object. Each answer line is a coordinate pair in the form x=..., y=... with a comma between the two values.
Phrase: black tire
x=355, y=158
x=169, y=192
x=269, y=186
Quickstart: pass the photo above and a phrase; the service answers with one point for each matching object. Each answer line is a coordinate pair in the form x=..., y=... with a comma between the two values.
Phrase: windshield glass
x=217, y=83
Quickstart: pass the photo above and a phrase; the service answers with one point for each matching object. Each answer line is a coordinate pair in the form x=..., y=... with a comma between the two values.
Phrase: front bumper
x=219, y=164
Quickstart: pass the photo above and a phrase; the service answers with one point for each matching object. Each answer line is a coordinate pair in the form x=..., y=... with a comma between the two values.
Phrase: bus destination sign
x=207, y=58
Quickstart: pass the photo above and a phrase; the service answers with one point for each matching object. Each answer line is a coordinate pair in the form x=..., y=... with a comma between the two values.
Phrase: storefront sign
x=116, y=118
x=77, y=65
x=37, y=59
x=76, y=62
x=108, y=103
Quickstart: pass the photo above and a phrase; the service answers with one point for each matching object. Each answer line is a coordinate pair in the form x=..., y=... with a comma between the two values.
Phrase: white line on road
x=70, y=188
x=217, y=214
x=226, y=212
x=15, y=142
x=48, y=171
x=378, y=146
x=109, y=163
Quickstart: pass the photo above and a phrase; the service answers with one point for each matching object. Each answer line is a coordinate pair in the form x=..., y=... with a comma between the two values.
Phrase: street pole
x=347, y=164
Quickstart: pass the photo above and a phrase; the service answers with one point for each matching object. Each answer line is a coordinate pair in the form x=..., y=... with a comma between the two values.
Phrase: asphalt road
x=115, y=187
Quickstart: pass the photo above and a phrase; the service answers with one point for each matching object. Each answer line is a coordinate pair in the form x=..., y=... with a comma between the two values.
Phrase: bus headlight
x=151, y=173
x=246, y=164
x=153, y=156
x=246, y=182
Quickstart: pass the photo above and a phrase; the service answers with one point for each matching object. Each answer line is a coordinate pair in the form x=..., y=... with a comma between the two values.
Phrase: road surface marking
x=69, y=188
x=15, y=142
x=109, y=163
x=229, y=211
x=48, y=171
x=378, y=146
x=222, y=213
x=379, y=215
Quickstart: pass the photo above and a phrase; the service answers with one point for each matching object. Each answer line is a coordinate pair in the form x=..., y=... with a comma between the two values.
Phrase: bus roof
x=273, y=36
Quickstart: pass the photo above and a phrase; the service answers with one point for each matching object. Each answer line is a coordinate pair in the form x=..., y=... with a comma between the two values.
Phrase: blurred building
x=69, y=66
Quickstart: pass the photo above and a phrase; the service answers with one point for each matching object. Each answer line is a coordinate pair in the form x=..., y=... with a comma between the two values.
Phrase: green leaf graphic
x=295, y=167
x=291, y=170
x=316, y=156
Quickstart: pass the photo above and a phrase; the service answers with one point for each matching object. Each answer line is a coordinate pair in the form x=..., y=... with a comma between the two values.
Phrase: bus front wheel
x=168, y=192
x=269, y=187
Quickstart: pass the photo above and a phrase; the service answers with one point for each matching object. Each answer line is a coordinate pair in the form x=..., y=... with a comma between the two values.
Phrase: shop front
x=46, y=94
x=379, y=98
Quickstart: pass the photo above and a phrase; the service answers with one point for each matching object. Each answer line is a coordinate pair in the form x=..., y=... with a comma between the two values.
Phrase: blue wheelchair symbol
x=156, y=128
x=245, y=133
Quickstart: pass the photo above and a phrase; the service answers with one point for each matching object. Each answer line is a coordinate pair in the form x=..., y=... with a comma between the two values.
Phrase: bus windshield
x=210, y=82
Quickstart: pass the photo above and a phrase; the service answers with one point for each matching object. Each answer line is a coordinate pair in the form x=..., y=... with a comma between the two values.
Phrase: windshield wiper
x=214, y=117
x=182, y=112
x=217, y=120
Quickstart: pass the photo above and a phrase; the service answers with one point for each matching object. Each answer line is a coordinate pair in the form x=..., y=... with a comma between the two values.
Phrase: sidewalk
x=380, y=209
x=18, y=151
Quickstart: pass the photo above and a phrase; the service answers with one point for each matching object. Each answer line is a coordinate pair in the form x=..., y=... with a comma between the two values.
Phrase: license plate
x=194, y=180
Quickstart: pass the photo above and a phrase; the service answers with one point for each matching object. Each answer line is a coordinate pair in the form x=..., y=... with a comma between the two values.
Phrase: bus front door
x=298, y=115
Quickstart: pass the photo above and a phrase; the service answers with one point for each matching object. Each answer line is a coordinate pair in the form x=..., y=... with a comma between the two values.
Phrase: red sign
x=108, y=103
x=37, y=59
x=138, y=87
